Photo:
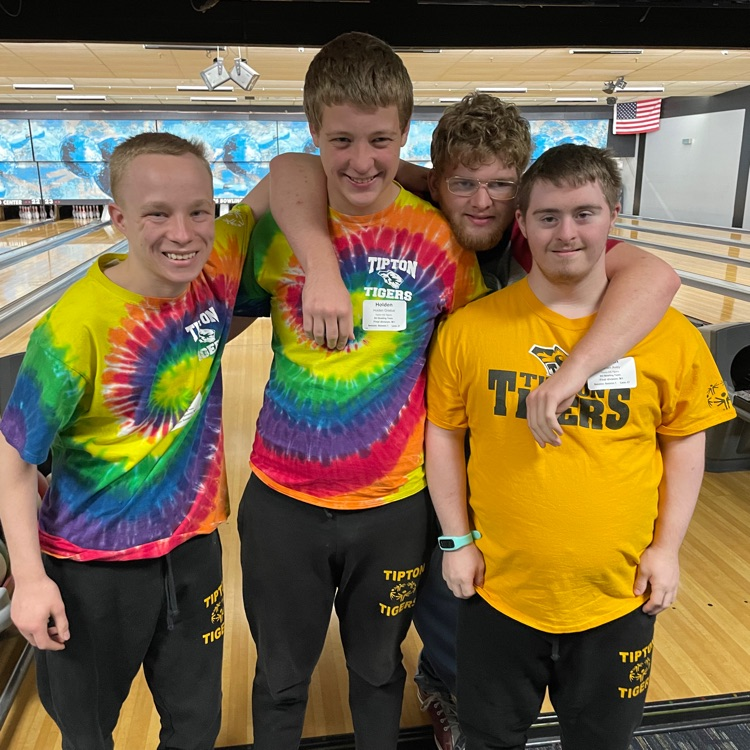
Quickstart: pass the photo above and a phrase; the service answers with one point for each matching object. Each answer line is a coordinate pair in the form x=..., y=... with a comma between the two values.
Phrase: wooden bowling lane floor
x=27, y=275
x=729, y=235
x=700, y=647
x=29, y=232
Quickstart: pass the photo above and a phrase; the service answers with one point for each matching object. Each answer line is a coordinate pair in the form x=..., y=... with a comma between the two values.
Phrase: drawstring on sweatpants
x=555, y=647
x=170, y=593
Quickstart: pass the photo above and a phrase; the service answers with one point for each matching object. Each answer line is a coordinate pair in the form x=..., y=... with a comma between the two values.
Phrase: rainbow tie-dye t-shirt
x=126, y=392
x=344, y=429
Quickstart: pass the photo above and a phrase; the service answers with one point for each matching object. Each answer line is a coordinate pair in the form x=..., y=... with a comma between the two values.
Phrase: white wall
x=697, y=182
x=628, y=168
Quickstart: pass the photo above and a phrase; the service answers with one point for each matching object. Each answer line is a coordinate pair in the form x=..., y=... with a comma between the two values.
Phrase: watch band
x=452, y=543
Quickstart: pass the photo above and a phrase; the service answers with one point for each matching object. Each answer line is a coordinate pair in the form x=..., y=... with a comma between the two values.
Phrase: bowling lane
x=34, y=233
x=714, y=268
x=711, y=307
x=715, y=241
x=27, y=275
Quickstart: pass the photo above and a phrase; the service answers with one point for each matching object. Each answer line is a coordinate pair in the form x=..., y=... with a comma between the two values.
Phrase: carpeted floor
x=729, y=737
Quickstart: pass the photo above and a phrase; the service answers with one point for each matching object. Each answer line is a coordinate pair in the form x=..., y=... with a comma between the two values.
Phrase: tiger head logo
x=391, y=278
x=550, y=356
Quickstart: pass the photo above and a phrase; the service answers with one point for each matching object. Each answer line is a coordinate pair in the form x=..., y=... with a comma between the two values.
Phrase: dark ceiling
x=402, y=23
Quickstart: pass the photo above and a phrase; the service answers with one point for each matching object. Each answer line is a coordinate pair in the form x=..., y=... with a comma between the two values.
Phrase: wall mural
x=19, y=181
x=46, y=161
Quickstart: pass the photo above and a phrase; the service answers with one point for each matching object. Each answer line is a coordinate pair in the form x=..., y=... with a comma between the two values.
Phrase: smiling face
x=478, y=222
x=359, y=151
x=567, y=229
x=165, y=209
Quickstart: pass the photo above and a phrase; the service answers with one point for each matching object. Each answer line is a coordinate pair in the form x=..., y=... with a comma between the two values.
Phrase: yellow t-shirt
x=563, y=528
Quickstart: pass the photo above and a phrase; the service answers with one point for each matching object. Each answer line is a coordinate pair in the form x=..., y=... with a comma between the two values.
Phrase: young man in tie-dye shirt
x=336, y=512
x=121, y=380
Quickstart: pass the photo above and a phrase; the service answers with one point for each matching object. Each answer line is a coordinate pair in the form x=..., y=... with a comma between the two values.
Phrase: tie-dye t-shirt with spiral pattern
x=126, y=392
x=345, y=429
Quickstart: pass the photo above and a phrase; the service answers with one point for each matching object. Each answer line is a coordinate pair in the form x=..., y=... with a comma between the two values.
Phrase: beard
x=478, y=240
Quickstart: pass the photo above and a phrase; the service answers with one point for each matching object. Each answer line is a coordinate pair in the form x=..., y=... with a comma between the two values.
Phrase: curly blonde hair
x=477, y=130
x=358, y=69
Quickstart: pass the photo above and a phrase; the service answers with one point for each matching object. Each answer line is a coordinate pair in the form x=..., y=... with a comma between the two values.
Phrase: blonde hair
x=477, y=130
x=361, y=70
x=574, y=165
x=150, y=143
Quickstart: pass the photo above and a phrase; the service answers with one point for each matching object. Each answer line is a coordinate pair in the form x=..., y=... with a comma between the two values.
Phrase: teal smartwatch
x=452, y=543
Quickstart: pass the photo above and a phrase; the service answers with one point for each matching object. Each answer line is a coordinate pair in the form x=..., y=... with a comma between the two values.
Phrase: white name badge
x=620, y=374
x=384, y=315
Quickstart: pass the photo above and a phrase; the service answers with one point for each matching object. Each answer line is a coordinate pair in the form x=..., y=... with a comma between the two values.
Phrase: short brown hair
x=358, y=69
x=575, y=165
x=477, y=130
x=150, y=143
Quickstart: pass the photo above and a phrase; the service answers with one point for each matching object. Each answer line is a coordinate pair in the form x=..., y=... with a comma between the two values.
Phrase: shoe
x=442, y=713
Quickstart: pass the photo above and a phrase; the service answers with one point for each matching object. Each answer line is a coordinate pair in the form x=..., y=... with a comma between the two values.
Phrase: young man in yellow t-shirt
x=572, y=550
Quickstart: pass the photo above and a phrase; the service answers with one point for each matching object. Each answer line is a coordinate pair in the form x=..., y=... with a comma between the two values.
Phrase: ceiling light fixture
x=178, y=47
x=576, y=99
x=213, y=98
x=81, y=98
x=215, y=74
x=447, y=99
x=501, y=90
x=203, y=88
x=243, y=75
x=45, y=86
x=600, y=51
x=419, y=50
x=644, y=89
x=611, y=87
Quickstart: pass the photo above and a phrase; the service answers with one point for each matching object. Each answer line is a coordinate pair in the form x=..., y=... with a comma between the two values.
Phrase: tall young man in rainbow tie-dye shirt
x=335, y=513
x=121, y=380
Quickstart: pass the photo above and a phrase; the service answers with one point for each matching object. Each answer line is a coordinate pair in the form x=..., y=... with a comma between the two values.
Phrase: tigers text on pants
x=165, y=613
x=300, y=560
x=597, y=679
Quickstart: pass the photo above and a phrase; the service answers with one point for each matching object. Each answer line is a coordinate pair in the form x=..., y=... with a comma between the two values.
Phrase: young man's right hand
x=327, y=311
x=37, y=610
x=463, y=570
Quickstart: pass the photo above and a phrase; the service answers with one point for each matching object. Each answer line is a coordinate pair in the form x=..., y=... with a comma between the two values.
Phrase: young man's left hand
x=658, y=570
x=545, y=404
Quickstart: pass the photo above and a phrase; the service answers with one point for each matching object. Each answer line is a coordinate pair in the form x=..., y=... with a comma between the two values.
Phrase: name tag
x=620, y=374
x=384, y=315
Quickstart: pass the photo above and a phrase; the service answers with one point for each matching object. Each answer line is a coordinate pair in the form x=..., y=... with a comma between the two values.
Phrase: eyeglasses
x=498, y=190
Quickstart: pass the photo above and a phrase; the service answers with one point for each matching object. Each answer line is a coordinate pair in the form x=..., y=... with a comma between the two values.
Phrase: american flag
x=637, y=117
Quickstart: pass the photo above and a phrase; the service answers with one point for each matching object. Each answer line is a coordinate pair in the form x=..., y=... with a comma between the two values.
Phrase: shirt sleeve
x=253, y=300
x=46, y=396
x=701, y=398
x=446, y=405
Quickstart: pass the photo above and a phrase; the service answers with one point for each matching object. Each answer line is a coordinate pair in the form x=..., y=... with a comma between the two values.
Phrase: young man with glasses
x=480, y=148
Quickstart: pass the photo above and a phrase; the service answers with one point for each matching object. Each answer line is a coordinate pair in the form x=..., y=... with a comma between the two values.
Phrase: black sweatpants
x=597, y=679
x=165, y=613
x=300, y=560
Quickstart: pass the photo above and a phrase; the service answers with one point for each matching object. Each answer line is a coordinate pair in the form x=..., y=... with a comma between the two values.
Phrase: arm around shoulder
x=640, y=291
x=299, y=203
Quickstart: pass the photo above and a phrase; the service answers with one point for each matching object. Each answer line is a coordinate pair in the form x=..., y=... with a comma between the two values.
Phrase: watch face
x=446, y=544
